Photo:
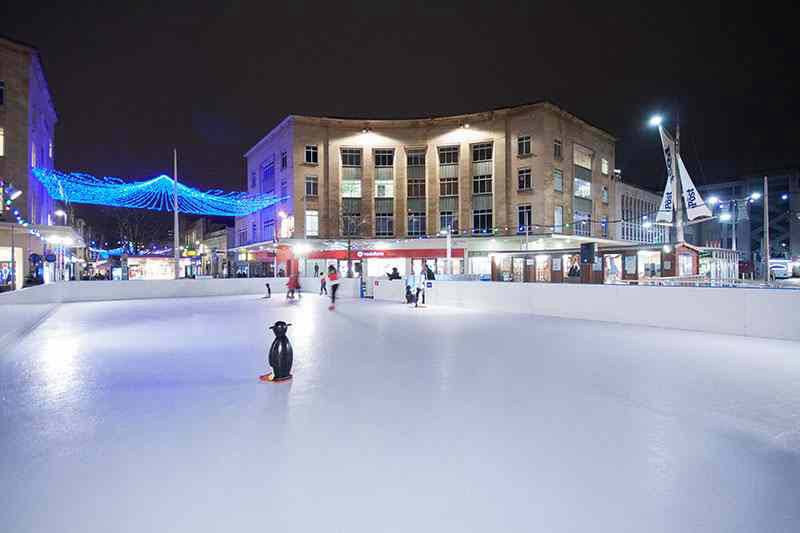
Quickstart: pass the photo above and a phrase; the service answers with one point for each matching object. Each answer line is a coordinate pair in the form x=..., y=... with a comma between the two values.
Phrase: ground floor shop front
x=630, y=264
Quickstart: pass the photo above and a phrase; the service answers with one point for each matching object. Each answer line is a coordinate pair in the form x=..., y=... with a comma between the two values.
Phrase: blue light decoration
x=155, y=194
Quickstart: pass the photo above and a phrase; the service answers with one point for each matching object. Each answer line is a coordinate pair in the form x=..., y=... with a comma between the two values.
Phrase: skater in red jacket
x=333, y=281
x=294, y=285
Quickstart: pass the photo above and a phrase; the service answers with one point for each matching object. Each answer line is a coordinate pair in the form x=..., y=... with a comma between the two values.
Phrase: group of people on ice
x=416, y=284
x=331, y=278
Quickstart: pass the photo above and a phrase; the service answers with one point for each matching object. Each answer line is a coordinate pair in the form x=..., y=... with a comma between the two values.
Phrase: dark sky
x=212, y=78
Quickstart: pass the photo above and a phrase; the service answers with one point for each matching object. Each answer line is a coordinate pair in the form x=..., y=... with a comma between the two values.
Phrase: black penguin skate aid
x=280, y=354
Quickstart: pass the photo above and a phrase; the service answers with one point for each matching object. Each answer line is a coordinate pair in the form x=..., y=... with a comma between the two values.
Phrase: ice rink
x=145, y=416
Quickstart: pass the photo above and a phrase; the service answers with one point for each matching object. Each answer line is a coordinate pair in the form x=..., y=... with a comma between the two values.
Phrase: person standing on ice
x=322, y=286
x=421, y=280
x=333, y=281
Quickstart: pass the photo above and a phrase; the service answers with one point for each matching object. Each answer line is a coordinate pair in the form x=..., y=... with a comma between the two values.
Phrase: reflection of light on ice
x=59, y=366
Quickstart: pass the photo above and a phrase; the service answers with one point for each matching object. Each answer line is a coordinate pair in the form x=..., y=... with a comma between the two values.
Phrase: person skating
x=294, y=285
x=333, y=281
x=323, y=287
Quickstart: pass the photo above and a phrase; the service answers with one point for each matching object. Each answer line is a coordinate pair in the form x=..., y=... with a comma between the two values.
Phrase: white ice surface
x=145, y=416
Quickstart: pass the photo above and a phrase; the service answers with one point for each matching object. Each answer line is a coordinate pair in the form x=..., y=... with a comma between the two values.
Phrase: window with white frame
x=448, y=155
x=312, y=186
x=415, y=173
x=482, y=168
x=582, y=156
x=482, y=221
x=448, y=220
x=524, y=218
x=604, y=166
x=284, y=160
x=582, y=188
x=351, y=157
x=558, y=180
x=351, y=188
x=312, y=154
x=558, y=219
x=558, y=149
x=524, y=182
x=524, y=145
x=416, y=223
x=384, y=157
x=448, y=171
x=384, y=189
x=384, y=225
x=582, y=223
x=312, y=223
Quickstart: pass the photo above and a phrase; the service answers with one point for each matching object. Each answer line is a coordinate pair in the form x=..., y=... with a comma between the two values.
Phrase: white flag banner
x=695, y=206
x=664, y=215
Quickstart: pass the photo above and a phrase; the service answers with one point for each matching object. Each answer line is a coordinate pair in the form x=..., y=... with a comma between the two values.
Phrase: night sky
x=211, y=78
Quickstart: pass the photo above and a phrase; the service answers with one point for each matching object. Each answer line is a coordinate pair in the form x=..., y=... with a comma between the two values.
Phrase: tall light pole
x=766, y=232
x=176, y=225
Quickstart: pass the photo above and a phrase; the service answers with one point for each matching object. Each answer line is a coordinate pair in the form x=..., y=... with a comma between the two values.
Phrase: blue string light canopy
x=155, y=194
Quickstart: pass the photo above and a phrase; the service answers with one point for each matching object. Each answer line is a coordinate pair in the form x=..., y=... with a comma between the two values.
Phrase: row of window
x=481, y=184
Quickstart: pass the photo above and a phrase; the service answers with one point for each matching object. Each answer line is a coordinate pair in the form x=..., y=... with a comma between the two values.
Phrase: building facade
x=633, y=213
x=27, y=136
x=737, y=213
x=529, y=170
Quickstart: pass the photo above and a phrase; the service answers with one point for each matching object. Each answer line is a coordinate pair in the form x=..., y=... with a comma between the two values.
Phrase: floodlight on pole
x=755, y=196
x=656, y=120
x=725, y=217
x=713, y=200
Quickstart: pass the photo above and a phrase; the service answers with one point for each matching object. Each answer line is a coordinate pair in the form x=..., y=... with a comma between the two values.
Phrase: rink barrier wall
x=770, y=313
x=92, y=291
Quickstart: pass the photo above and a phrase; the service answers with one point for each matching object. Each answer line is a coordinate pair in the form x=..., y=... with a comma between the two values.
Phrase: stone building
x=633, y=212
x=532, y=170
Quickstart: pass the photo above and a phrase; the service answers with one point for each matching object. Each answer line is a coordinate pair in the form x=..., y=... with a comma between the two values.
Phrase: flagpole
x=676, y=186
x=175, y=228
